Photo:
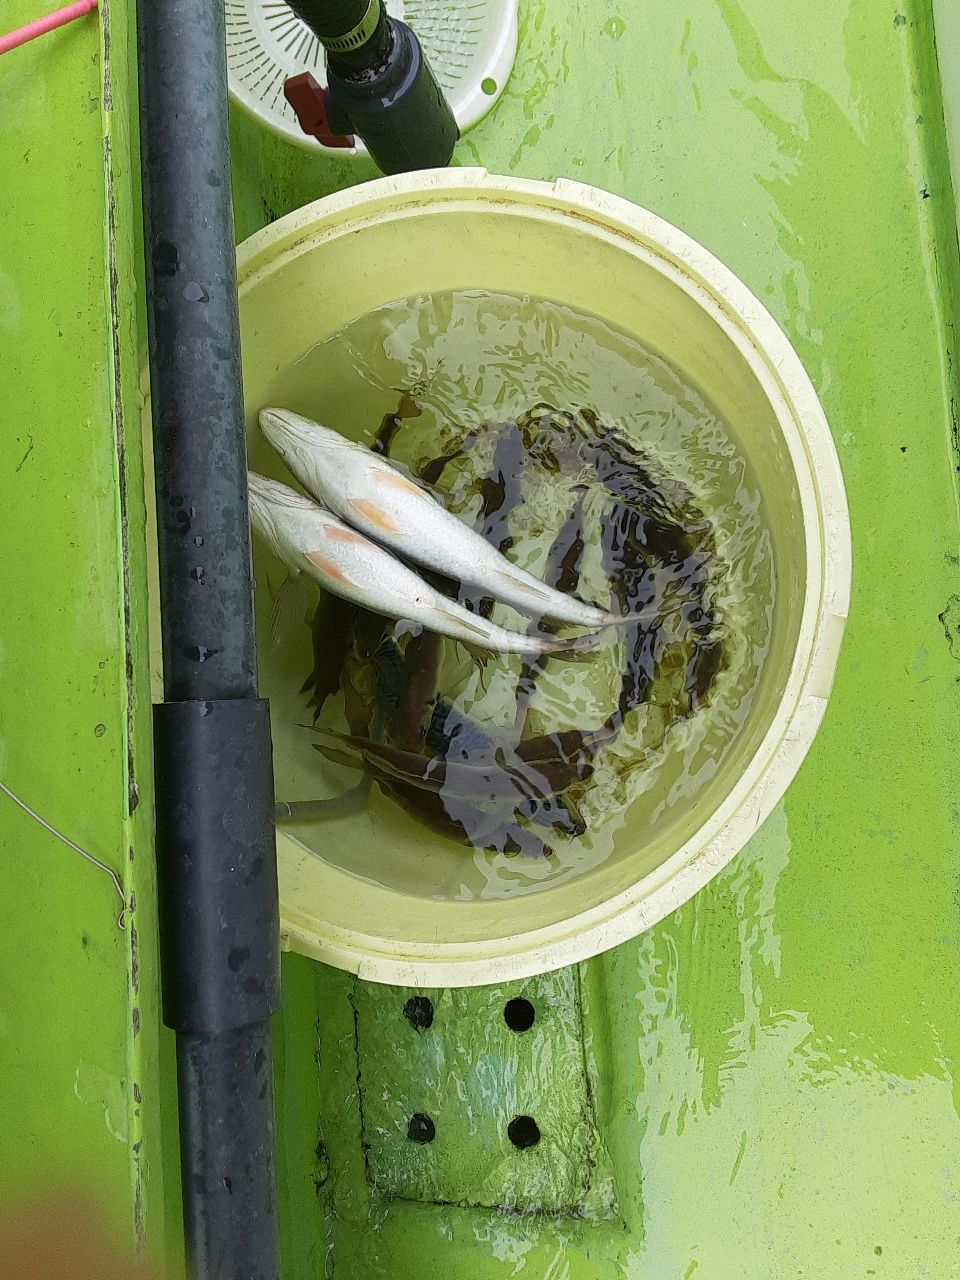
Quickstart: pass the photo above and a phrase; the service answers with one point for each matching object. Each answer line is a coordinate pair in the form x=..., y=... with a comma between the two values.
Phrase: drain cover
x=481, y=1097
x=470, y=44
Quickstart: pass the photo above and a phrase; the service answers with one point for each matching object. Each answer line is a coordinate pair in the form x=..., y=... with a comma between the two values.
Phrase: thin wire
x=22, y=804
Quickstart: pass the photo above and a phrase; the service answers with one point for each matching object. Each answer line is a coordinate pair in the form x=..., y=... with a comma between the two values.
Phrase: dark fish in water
x=332, y=637
x=407, y=684
x=473, y=826
x=484, y=784
x=359, y=702
x=431, y=471
x=421, y=663
x=478, y=812
x=655, y=541
x=702, y=670
x=639, y=638
x=501, y=489
x=450, y=730
x=562, y=571
x=560, y=758
x=565, y=757
x=476, y=778
x=291, y=812
x=391, y=674
x=392, y=422
x=500, y=495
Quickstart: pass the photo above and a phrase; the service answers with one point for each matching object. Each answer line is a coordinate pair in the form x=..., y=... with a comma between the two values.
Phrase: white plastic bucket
x=304, y=277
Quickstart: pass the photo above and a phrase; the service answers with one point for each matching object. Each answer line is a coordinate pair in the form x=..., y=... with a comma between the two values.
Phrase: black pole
x=215, y=840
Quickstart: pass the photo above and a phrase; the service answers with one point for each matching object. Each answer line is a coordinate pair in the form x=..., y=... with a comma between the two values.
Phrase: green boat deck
x=770, y=1073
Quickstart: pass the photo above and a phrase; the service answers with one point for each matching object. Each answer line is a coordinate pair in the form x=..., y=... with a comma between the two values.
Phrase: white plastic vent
x=470, y=44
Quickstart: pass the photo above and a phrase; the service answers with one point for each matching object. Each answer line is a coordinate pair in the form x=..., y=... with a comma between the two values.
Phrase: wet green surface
x=523, y=1058
x=772, y=1068
x=946, y=16
x=79, y=1074
x=773, y=1065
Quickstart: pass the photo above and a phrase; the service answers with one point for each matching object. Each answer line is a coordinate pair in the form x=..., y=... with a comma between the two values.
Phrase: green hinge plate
x=458, y=1106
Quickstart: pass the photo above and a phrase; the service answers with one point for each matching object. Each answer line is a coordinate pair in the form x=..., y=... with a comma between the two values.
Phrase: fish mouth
x=257, y=499
x=278, y=427
x=263, y=492
x=292, y=434
x=286, y=431
x=257, y=486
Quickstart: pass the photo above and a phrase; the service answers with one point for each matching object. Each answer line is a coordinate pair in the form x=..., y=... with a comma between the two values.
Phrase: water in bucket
x=591, y=462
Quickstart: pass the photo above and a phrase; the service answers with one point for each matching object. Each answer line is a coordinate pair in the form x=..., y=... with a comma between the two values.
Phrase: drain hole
x=523, y=1132
x=422, y=1129
x=519, y=1014
x=489, y=86
x=418, y=1011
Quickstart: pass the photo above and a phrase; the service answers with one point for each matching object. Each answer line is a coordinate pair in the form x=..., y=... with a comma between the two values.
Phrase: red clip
x=309, y=101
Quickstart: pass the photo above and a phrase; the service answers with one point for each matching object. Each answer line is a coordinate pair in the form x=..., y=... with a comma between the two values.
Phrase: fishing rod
x=216, y=853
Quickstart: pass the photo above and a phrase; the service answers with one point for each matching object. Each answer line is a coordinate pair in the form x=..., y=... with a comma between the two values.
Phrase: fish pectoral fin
x=394, y=479
x=285, y=605
x=330, y=569
x=374, y=513
x=406, y=628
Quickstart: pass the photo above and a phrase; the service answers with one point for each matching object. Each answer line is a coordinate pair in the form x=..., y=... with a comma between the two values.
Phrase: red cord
x=41, y=26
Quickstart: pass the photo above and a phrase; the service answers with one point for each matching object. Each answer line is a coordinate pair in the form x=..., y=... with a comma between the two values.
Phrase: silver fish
x=375, y=497
x=311, y=540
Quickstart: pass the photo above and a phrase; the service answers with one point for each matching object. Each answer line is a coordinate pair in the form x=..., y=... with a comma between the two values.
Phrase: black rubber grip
x=216, y=864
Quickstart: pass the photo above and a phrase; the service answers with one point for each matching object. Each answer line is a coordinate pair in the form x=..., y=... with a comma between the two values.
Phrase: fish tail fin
x=577, y=649
x=545, y=597
x=649, y=614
